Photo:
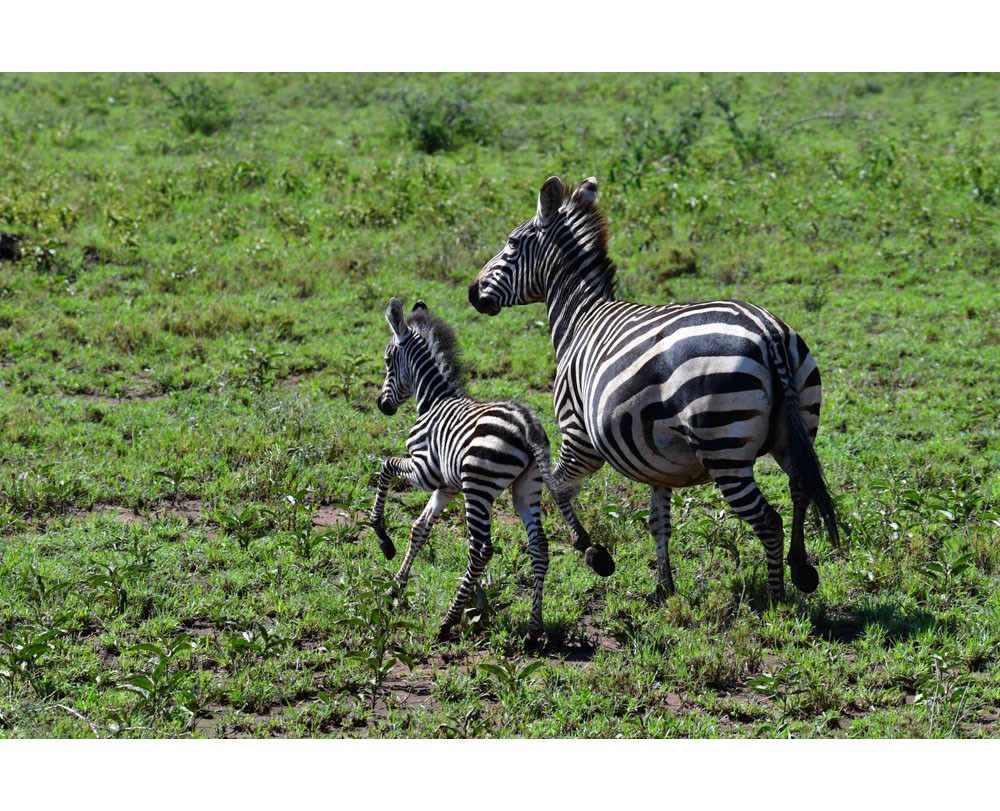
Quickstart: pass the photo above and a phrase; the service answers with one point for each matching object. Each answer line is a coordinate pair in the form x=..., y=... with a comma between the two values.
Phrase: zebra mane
x=443, y=345
x=590, y=225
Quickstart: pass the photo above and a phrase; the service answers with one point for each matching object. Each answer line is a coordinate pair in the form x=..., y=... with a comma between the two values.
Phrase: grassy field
x=193, y=271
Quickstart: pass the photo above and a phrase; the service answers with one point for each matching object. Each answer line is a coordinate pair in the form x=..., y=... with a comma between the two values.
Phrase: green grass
x=191, y=336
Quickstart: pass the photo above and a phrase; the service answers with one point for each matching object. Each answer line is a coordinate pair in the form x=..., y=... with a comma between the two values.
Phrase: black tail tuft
x=807, y=466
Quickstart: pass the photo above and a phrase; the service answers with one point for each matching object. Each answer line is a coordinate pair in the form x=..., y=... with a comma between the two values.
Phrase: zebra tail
x=805, y=462
x=538, y=443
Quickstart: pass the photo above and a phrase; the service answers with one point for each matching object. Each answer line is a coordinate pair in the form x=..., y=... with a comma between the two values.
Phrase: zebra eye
x=512, y=243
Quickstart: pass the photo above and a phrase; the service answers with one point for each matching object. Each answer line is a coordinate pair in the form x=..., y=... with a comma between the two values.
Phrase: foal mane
x=443, y=345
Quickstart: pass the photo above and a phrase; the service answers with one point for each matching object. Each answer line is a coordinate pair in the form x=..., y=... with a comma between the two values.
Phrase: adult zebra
x=461, y=445
x=670, y=396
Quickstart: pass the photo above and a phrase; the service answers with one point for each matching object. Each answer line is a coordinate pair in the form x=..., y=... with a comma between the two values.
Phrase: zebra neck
x=430, y=390
x=573, y=293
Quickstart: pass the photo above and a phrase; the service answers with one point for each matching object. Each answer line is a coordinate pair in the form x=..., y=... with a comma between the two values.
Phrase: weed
x=512, y=679
x=944, y=691
x=198, y=108
x=469, y=725
x=160, y=684
x=256, y=369
x=20, y=651
x=375, y=619
x=753, y=145
x=649, y=144
x=256, y=642
x=440, y=120
x=173, y=479
x=248, y=524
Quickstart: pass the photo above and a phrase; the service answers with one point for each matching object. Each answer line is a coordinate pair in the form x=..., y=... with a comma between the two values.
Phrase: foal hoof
x=805, y=577
x=599, y=559
x=444, y=633
x=384, y=542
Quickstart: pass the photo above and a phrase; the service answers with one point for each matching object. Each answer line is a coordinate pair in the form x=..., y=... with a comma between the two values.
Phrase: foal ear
x=420, y=306
x=550, y=197
x=394, y=315
x=586, y=192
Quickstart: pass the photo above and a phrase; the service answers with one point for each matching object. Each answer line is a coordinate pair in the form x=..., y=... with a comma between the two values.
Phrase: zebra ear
x=550, y=197
x=420, y=306
x=586, y=192
x=394, y=315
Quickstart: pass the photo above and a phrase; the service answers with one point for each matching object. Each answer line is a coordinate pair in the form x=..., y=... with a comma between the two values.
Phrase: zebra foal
x=460, y=445
x=670, y=396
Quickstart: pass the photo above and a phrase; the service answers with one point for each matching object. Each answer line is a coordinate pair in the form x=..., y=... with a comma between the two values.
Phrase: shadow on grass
x=845, y=623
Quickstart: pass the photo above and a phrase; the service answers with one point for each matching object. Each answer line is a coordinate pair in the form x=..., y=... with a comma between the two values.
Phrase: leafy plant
x=375, y=618
x=173, y=479
x=511, y=678
x=469, y=725
x=754, y=144
x=649, y=143
x=944, y=691
x=160, y=683
x=257, y=369
x=248, y=524
x=440, y=120
x=257, y=641
x=20, y=650
x=198, y=108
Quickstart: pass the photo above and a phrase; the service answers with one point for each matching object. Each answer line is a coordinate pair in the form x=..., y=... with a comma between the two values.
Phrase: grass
x=191, y=293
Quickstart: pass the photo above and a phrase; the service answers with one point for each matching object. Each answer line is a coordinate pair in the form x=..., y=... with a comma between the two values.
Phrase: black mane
x=440, y=339
x=591, y=225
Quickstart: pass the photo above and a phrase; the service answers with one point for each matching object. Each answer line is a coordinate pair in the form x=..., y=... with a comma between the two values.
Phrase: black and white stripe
x=460, y=445
x=671, y=396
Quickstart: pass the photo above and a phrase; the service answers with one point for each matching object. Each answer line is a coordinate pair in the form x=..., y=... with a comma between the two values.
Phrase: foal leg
x=418, y=535
x=526, y=496
x=392, y=468
x=478, y=514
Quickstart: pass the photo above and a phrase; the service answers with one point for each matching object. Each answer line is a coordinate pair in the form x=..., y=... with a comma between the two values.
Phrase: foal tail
x=595, y=556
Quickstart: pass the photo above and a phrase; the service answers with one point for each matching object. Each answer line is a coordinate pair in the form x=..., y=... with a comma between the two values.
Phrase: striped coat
x=671, y=395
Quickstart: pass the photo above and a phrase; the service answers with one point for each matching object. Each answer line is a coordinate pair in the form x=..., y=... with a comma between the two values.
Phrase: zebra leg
x=804, y=575
x=526, y=495
x=391, y=469
x=419, y=532
x=565, y=484
x=659, y=528
x=478, y=514
x=745, y=498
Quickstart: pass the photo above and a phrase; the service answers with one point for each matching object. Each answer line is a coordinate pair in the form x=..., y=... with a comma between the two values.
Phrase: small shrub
x=197, y=107
x=441, y=120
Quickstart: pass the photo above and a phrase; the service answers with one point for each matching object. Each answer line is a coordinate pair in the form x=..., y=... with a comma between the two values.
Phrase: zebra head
x=397, y=386
x=422, y=359
x=519, y=274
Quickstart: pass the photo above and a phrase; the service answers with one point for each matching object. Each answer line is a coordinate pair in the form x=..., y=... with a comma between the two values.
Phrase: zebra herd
x=670, y=396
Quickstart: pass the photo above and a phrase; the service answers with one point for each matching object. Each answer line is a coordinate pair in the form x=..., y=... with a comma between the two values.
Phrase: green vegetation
x=193, y=271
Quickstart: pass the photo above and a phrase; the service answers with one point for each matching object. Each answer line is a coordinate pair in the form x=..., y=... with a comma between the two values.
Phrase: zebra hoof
x=384, y=542
x=444, y=633
x=805, y=577
x=599, y=559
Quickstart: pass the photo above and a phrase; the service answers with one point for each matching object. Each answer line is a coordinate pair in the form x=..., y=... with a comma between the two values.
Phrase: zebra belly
x=674, y=432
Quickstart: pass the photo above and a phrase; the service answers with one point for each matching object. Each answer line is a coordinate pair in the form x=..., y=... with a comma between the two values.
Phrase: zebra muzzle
x=385, y=406
x=486, y=306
